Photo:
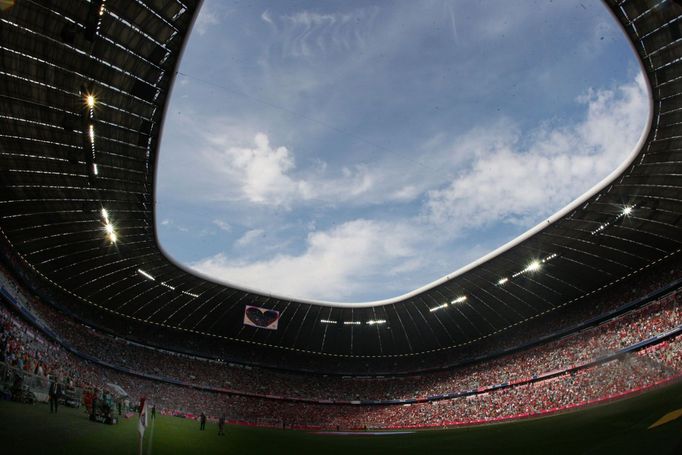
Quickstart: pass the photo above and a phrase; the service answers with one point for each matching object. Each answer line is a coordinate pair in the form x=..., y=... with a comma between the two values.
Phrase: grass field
x=619, y=427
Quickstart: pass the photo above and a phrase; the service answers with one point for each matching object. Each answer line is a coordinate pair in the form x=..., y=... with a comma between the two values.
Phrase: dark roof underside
x=53, y=53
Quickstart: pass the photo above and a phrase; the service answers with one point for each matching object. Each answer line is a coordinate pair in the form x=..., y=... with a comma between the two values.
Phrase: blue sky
x=356, y=150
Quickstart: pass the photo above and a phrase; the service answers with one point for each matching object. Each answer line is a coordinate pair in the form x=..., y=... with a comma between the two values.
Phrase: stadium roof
x=83, y=91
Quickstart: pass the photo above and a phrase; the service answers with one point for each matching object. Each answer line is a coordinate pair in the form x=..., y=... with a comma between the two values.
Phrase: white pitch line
x=151, y=438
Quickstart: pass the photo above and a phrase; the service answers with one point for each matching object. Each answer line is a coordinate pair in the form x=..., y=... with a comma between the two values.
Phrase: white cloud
x=266, y=17
x=389, y=173
x=222, y=225
x=517, y=182
x=511, y=178
x=265, y=175
x=306, y=33
x=171, y=224
x=336, y=263
x=406, y=193
x=261, y=172
x=210, y=15
x=249, y=237
x=453, y=22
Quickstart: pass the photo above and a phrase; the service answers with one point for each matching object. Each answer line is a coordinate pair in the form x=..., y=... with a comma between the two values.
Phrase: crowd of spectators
x=578, y=348
x=25, y=348
x=619, y=376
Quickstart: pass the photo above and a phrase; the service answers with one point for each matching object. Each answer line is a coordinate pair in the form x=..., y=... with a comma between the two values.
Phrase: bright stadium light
x=502, y=281
x=533, y=266
x=460, y=299
x=90, y=101
x=145, y=274
x=627, y=210
x=91, y=133
x=439, y=307
x=108, y=227
x=377, y=321
x=327, y=321
x=352, y=322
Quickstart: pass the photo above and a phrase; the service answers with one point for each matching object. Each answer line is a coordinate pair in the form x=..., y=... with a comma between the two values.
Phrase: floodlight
x=145, y=274
x=533, y=266
x=439, y=307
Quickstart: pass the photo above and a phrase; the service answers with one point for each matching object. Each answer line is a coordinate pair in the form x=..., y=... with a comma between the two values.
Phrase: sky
x=351, y=151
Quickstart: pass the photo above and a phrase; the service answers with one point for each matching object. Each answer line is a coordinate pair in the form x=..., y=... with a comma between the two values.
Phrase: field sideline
x=618, y=427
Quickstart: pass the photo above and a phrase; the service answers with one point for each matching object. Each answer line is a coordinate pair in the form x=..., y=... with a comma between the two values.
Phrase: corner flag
x=142, y=424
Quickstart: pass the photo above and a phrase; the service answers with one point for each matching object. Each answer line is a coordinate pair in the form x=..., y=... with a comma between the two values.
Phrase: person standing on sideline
x=153, y=411
x=202, y=420
x=54, y=394
x=221, y=425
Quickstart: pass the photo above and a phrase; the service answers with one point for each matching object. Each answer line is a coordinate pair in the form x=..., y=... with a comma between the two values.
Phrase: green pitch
x=620, y=427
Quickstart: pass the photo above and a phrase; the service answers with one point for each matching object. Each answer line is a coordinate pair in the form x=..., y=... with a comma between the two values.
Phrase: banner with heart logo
x=261, y=317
